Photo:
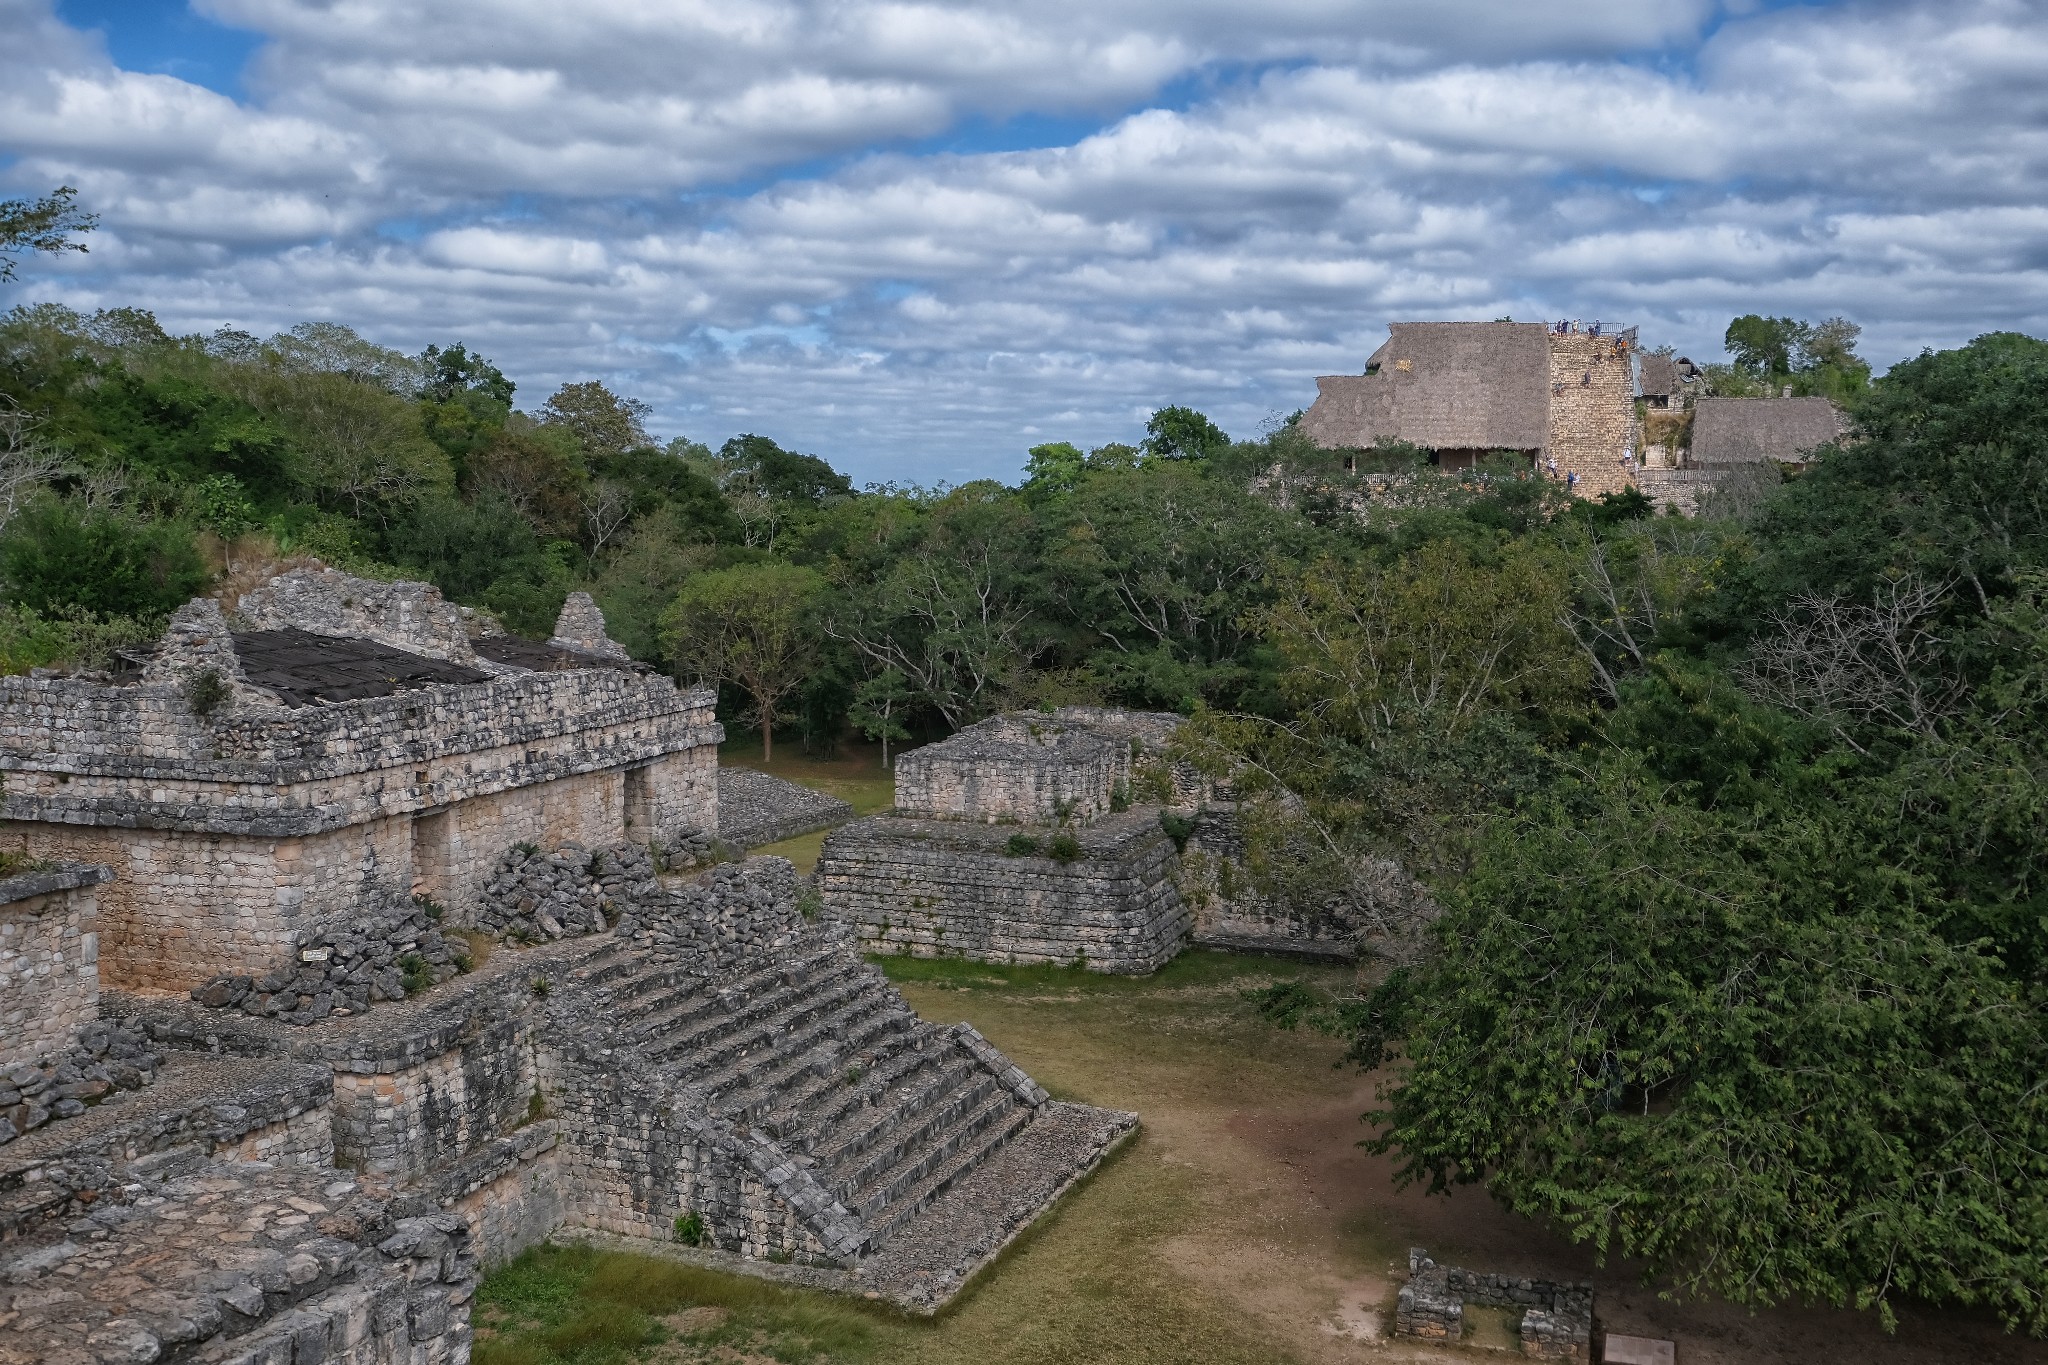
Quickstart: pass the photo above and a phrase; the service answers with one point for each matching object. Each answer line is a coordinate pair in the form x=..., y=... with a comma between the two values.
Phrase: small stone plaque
x=1639, y=1351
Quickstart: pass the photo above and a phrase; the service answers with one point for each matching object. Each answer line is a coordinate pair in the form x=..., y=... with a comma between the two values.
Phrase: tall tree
x=752, y=626
x=602, y=422
x=1183, y=434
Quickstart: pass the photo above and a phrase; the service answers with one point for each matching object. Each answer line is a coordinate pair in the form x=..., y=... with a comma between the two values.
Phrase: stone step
x=816, y=1052
x=747, y=1004
x=830, y=1109
x=813, y=1104
x=846, y=1132
x=905, y=1191
x=912, y=1124
x=653, y=990
x=719, y=1039
x=611, y=963
x=760, y=1064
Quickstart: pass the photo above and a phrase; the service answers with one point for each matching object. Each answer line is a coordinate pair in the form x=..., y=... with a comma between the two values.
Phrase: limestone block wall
x=185, y=906
x=935, y=888
x=522, y=1204
x=675, y=791
x=1592, y=411
x=624, y=1168
x=457, y=850
x=402, y=1117
x=78, y=752
x=302, y=1139
x=1036, y=769
x=49, y=960
x=234, y=836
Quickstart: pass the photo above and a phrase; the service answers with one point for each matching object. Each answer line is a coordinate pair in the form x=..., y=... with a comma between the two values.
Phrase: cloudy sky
x=918, y=236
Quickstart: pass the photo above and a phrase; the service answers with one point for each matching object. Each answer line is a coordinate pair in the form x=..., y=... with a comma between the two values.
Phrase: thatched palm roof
x=1752, y=430
x=1444, y=385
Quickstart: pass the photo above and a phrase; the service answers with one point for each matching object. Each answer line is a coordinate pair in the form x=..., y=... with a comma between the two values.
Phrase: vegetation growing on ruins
x=1715, y=918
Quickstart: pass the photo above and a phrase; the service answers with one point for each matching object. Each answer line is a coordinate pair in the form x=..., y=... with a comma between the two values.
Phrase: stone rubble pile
x=536, y=896
x=384, y=954
x=734, y=911
x=185, y=1259
x=107, y=1058
x=684, y=849
x=756, y=808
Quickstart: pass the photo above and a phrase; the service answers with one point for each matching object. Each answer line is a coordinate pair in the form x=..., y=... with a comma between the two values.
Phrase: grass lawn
x=1244, y=1224
x=855, y=775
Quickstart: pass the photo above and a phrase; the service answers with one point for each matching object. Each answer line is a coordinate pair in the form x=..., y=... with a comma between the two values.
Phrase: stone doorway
x=432, y=856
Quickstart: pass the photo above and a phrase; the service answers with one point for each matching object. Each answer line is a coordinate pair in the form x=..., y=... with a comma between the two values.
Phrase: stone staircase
x=815, y=1052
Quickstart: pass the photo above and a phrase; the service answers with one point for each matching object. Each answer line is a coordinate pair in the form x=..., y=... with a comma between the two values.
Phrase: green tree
x=1182, y=434
x=1053, y=468
x=41, y=225
x=879, y=706
x=752, y=625
x=59, y=557
x=602, y=422
x=1764, y=347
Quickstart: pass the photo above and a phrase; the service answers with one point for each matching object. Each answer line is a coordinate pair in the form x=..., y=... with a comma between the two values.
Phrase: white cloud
x=606, y=189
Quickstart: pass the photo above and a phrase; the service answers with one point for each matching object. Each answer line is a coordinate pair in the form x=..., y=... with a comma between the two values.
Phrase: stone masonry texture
x=402, y=984
x=712, y=1059
x=49, y=959
x=235, y=834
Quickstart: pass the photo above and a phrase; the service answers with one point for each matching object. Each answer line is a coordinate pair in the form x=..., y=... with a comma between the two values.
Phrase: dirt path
x=1248, y=1211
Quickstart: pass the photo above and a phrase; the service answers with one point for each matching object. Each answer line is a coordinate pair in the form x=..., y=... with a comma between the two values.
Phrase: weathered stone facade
x=49, y=960
x=238, y=831
x=716, y=1066
x=1592, y=412
x=352, y=1103
x=1066, y=836
x=1030, y=768
x=945, y=888
x=756, y=808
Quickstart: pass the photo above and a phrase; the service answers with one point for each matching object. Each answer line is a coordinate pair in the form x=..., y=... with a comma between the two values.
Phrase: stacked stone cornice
x=84, y=753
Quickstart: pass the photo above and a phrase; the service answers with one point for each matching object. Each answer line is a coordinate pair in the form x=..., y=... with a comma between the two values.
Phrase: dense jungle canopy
x=1738, y=944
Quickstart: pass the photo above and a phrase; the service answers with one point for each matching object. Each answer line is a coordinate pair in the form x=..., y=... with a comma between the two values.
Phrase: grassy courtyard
x=1243, y=1225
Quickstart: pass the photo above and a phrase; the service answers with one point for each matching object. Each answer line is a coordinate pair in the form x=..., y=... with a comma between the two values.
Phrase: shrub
x=205, y=692
x=415, y=972
x=690, y=1229
x=1021, y=846
x=1179, y=828
x=1120, y=797
x=57, y=556
x=1064, y=848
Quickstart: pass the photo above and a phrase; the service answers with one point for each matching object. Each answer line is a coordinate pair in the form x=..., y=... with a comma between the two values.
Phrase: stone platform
x=949, y=888
x=714, y=1069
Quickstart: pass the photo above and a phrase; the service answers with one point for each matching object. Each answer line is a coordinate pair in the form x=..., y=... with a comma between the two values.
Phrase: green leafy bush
x=59, y=556
x=1063, y=848
x=1021, y=846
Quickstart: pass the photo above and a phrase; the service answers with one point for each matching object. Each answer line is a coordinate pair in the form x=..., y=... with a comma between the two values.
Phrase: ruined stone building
x=350, y=737
x=365, y=947
x=1739, y=431
x=1064, y=837
x=1565, y=400
x=1573, y=402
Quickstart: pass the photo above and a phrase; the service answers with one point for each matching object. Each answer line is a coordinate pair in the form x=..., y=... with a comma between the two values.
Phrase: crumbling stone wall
x=1556, y=1322
x=409, y=616
x=936, y=888
x=756, y=808
x=241, y=1264
x=49, y=960
x=1025, y=767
